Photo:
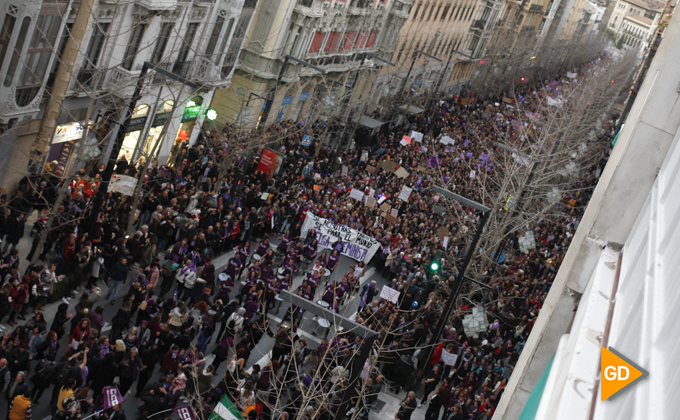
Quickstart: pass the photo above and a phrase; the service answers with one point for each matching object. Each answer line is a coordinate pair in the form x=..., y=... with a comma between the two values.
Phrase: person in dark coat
x=103, y=375
x=129, y=370
x=60, y=319
x=14, y=231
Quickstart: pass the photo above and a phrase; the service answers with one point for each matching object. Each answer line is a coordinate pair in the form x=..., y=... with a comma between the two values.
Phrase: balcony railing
x=479, y=24
x=122, y=82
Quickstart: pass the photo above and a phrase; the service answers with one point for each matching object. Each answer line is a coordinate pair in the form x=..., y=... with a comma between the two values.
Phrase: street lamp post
x=458, y=283
x=272, y=93
x=413, y=62
x=120, y=137
x=446, y=67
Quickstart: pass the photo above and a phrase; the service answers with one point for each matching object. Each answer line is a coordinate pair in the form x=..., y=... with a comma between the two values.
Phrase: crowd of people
x=185, y=317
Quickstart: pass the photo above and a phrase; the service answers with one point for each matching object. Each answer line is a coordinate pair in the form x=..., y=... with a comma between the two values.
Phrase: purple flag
x=466, y=142
x=433, y=161
x=185, y=412
x=112, y=397
x=468, y=154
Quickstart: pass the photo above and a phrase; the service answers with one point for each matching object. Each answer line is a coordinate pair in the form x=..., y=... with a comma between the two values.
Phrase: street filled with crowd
x=190, y=306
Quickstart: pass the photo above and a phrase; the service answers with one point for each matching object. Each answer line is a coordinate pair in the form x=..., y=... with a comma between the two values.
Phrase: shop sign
x=287, y=101
x=136, y=124
x=303, y=97
x=64, y=156
x=191, y=113
x=68, y=132
x=160, y=119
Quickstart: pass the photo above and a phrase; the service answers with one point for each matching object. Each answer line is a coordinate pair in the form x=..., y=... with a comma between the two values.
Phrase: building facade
x=634, y=22
x=330, y=35
x=196, y=40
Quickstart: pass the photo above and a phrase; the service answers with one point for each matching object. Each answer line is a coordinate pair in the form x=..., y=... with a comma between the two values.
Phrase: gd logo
x=617, y=372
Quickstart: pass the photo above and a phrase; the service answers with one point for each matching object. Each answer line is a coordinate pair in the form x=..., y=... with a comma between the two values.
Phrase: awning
x=370, y=122
x=412, y=109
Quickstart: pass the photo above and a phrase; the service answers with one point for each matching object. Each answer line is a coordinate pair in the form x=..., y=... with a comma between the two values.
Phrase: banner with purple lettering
x=112, y=397
x=355, y=244
x=185, y=412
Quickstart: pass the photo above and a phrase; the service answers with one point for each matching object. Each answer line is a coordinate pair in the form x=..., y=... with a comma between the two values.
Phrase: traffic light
x=436, y=262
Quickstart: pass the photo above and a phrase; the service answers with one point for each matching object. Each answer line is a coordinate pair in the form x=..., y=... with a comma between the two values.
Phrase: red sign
x=270, y=162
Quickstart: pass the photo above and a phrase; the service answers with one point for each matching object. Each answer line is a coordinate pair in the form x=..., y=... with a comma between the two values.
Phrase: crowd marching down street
x=189, y=309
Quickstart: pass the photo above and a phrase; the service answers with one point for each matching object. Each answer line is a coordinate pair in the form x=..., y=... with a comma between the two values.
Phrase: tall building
x=199, y=41
x=329, y=35
x=634, y=22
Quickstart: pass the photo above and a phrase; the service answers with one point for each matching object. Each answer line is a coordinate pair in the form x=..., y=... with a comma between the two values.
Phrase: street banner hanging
x=185, y=412
x=123, y=184
x=112, y=397
x=355, y=244
x=270, y=162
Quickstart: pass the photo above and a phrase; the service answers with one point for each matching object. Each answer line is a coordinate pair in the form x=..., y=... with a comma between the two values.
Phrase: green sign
x=136, y=124
x=211, y=114
x=190, y=113
x=160, y=119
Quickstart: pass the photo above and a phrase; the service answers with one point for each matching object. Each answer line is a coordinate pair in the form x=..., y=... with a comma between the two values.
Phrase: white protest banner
x=390, y=294
x=405, y=193
x=123, y=184
x=345, y=169
x=405, y=141
x=356, y=245
x=356, y=194
x=571, y=75
x=449, y=358
x=447, y=140
x=381, y=199
x=473, y=174
x=416, y=136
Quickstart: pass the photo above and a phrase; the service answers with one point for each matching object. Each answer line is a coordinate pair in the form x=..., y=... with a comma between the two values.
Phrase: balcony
x=122, y=82
x=478, y=25
x=536, y=8
x=157, y=4
x=209, y=74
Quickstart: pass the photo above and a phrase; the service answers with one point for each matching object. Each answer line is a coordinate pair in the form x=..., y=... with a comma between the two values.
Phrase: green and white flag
x=225, y=410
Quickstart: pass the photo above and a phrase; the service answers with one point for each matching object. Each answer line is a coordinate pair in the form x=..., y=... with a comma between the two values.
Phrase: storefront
x=63, y=145
x=133, y=147
x=191, y=113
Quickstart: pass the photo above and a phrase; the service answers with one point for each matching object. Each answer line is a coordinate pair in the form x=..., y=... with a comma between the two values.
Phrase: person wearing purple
x=310, y=250
x=329, y=293
x=289, y=267
x=286, y=239
x=267, y=272
x=243, y=252
x=251, y=307
x=233, y=266
x=323, y=259
x=286, y=282
x=333, y=260
x=263, y=247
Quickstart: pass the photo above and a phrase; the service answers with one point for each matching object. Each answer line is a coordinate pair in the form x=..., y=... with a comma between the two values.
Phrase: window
x=133, y=43
x=225, y=39
x=23, y=32
x=38, y=55
x=316, y=42
x=162, y=42
x=371, y=38
x=237, y=38
x=436, y=14
x=6, y=35
x=444, y=13
x=212, y=42
x=422, y=15
x=348, y=41
x=415, y=13
x=181, y=64
x=94, y=49
x=333, y=41
x=361, y=40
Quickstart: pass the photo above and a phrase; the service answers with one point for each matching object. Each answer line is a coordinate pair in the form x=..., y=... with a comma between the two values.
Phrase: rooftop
x=639, y=19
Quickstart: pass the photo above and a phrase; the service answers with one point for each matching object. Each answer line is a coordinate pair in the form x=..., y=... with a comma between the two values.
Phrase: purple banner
x=112, y=397
x=185, y=413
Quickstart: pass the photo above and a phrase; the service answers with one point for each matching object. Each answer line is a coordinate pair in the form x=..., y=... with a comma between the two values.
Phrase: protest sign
x=345, y=169
x=442, y=232
x=401, y=173
x=405, y=193
x=185, y=412
x=449, y=358
x=416, y=136
x=447, y=140
x=473, y=174
x=390, y=219
x=123, y=184
x=507, y=100
x=270, y=162
x=385, y=207
x=370, y=202
x=112, y=397
x=356, y=245
x=356, y=194
x=405, y=141
x=394, y=212
x=421, y=168
x=370, y=169
x=390, y=294
x=388, y=165
x=381, y=198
